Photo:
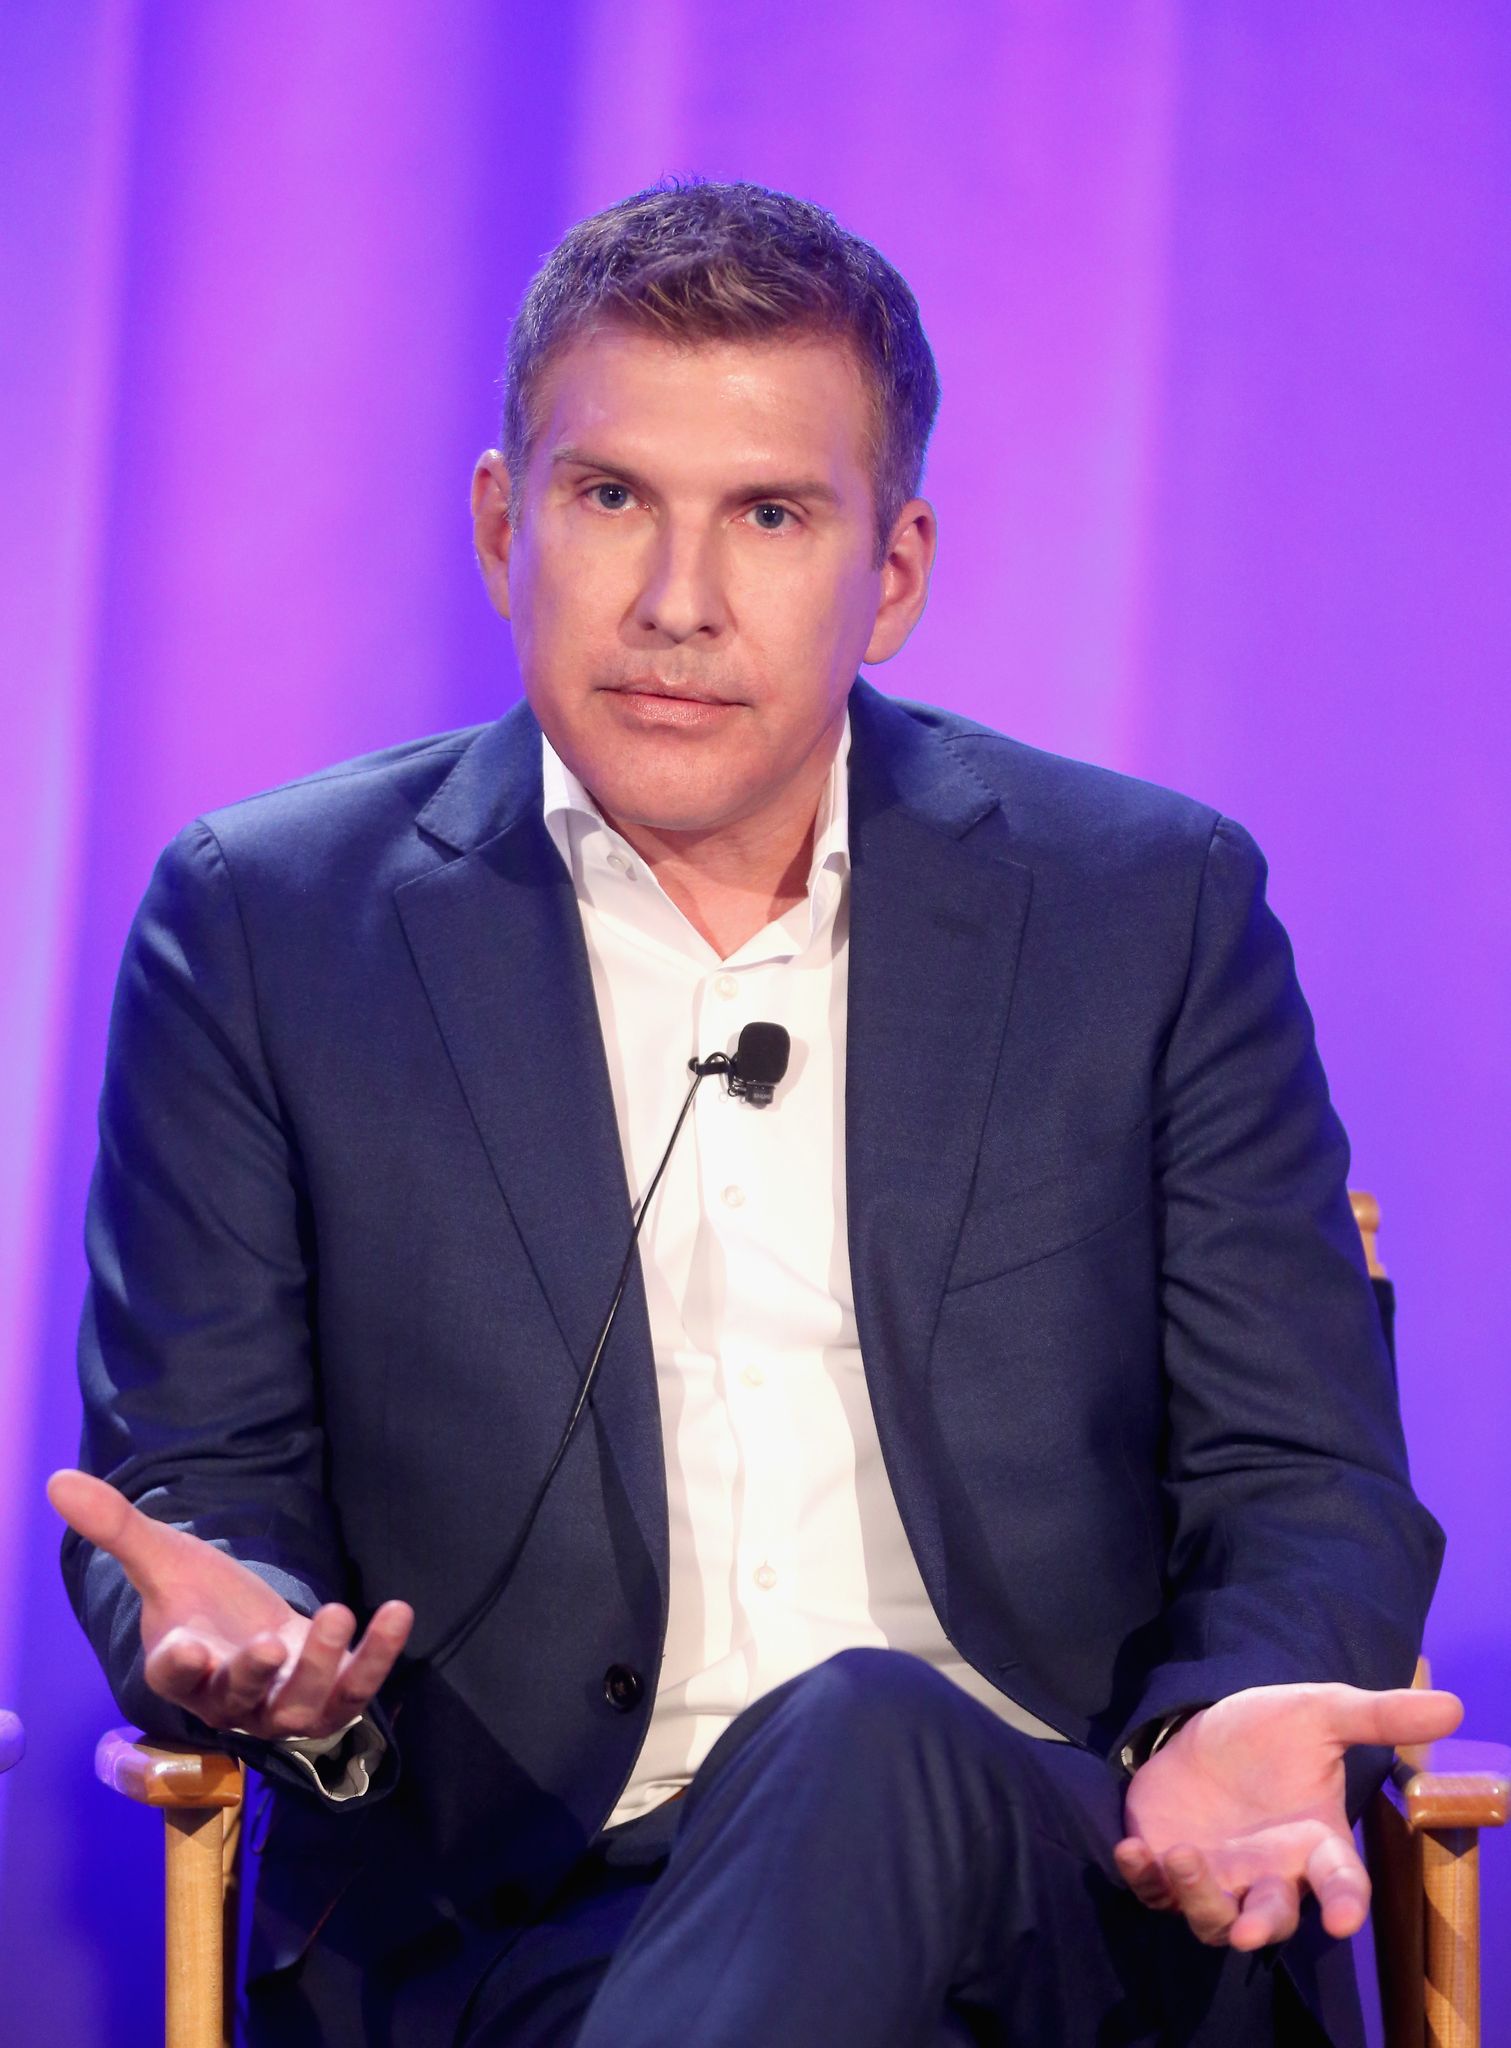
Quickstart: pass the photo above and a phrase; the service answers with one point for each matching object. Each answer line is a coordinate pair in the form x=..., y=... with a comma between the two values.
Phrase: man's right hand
x=219, y=1641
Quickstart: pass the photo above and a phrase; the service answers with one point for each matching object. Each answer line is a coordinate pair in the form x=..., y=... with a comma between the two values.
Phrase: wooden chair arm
x=165, y=1774
x=200, y=1791
x=1453, y=1785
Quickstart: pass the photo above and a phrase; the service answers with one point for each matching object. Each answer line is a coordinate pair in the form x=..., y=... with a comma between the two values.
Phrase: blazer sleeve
x=197, y=1358
x=1297, y=1550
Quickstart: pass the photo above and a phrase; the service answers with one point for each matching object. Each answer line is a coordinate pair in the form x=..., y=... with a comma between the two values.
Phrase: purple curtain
x=1221, y=297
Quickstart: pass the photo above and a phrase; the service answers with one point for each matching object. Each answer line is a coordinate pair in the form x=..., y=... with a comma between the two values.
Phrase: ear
x=905, y=571
x=492, y=528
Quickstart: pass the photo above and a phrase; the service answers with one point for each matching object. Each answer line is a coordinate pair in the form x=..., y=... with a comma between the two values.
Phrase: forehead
x=751, y=405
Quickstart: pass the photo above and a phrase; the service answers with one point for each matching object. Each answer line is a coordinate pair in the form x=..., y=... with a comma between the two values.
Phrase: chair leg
x=195, y=1899
x=230, y=1916
x=1394, y=1856
x=1451, y=1879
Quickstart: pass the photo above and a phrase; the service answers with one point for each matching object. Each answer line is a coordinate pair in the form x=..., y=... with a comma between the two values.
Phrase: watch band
x=1143, y=1744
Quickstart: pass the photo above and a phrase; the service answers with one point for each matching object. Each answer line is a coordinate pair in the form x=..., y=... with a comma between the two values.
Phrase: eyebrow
x=812, y=490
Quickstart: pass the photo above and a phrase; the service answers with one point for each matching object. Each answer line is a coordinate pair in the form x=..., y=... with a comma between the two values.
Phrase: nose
x=682, y=596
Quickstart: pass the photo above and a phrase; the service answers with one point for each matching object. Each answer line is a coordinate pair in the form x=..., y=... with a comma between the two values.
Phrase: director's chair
x=1421, y=1837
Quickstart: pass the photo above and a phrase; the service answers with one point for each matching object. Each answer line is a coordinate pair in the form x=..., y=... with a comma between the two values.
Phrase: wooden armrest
x=1453, y=1785
x=163, y=1774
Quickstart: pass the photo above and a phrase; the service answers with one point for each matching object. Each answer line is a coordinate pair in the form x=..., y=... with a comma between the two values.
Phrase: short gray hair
x=695, y=261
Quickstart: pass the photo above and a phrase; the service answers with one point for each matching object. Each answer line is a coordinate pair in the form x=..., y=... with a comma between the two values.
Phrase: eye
x=611, y=497
x=771, y=518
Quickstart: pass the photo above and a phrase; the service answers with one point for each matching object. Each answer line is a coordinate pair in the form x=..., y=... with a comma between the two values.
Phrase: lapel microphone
x=759, y=1062
x=751, y=1074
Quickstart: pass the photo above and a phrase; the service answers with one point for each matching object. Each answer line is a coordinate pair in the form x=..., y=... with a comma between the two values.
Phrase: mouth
x=655, y=687
x=647, y=702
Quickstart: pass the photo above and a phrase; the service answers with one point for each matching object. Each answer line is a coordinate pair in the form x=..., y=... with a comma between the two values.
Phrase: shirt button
x=753, y=1376
x=620, y=865
x=765, y=1577
x=726, y=985
x=733, y=1197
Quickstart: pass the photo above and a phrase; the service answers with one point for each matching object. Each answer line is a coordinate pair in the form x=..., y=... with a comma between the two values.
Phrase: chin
x=639, y=788
x=644, y=811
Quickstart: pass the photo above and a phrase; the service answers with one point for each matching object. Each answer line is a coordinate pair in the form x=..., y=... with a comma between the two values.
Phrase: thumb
x=1403, y=1716
x=104, y=1517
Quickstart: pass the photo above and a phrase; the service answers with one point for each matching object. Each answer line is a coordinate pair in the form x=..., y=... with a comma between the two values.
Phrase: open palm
x=1242, y=1812
x=218, y=1640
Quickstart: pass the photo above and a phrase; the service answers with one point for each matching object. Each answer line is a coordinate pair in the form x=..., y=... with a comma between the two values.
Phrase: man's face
x=693, y=580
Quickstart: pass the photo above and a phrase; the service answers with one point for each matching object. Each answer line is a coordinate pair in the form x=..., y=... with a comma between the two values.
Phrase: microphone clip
x=759, y=1062
x=756, y=1093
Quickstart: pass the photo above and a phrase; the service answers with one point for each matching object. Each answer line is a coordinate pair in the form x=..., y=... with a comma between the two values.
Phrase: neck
x=731, y=883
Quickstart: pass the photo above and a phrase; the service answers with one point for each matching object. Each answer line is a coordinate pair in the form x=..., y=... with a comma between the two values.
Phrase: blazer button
x=622, y=1687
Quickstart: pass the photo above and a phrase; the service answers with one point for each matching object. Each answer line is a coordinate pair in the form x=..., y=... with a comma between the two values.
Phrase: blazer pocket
x=1051, y=1212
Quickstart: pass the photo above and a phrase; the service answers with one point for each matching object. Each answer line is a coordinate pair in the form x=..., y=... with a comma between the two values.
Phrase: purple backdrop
x=1222, y=302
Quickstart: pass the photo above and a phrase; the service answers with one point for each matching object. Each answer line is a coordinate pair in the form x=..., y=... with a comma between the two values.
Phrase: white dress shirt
x=786, y=1542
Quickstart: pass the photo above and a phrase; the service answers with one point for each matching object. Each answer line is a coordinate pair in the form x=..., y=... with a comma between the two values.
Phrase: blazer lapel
x=936, y=920
x=497, y=941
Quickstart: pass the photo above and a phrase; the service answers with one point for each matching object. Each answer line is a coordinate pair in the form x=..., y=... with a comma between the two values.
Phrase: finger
x=1139, y=1868
x=1271, y=1911
x=296, y=1705
x=1341, y=1885
x=371, y=1661
x=104, y=1517
x=242, y=1684
x=1408, y=1714
x=179, y=1666
x=1209, y=1910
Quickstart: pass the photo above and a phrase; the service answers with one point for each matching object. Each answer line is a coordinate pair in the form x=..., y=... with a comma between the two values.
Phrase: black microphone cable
x=757, y=1065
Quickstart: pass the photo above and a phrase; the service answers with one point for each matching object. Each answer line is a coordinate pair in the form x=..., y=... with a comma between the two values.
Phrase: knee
x=875, y=1699
x=880, y=1729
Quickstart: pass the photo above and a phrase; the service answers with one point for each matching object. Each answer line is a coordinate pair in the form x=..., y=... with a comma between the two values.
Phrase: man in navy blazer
x=361, y=1204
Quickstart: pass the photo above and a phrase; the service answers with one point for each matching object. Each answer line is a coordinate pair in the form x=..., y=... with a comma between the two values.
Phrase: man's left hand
x=1241, y=1813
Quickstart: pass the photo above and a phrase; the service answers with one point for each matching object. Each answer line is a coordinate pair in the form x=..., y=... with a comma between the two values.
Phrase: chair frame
x=201, y=1793
x=1421, y=1842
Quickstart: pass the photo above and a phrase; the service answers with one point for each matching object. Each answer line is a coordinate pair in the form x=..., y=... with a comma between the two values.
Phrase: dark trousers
x=869, y=1857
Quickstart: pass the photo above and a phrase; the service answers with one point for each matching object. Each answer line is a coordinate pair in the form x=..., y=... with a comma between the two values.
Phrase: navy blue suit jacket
x=360, y=1207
